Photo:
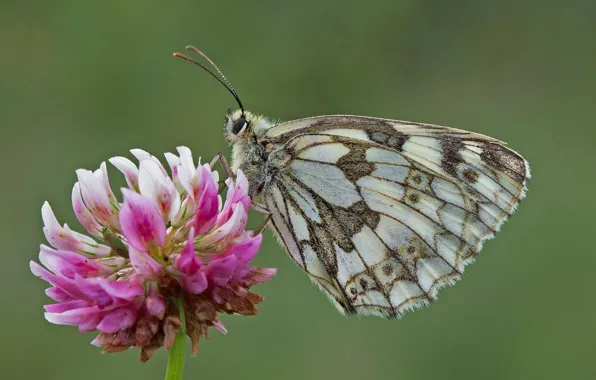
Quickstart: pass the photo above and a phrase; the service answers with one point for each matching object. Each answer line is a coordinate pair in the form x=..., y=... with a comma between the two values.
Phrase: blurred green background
x=83, y=81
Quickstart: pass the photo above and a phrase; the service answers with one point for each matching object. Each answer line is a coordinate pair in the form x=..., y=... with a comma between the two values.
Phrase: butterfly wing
x=382, y=213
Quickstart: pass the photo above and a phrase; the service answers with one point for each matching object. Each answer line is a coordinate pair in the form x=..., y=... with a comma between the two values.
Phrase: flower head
x=171, y=237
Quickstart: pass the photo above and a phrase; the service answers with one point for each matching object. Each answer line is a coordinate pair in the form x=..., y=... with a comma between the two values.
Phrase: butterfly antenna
x=221, y=78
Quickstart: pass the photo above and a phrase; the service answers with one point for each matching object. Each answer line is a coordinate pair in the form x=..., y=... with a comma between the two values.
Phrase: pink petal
x=187, y=166
x=96, y=198
x=141, y=155
x=51, y=228
x=126, y=290
x=208, y=206
x=174, y=162
x=106, y=292
x=141, y=222
x=246, y=250
x=90, y=323
x=218, y=325
x=237, y=193
x=195, y=284
x=233, y=227
x=214, y=174
x=192, y=179
x=159, y=188
x=188, y=262
x=67, y=264
x=65, y=239
x=145, y=265
x=129, y=169
x=155, y=305
x=219, y=272
x=188, y=266
x=58, y=294
x=92, y=289
x=191, y=182
x=67, y=286
x=83, y=214
x=86, y=318
x=66, y=306
x=118, y=319
x=102, y=175
x=89, y=247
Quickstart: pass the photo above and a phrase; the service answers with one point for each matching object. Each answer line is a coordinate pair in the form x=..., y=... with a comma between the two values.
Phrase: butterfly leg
x=259, y=207
x=224, y=164
x=262, y=226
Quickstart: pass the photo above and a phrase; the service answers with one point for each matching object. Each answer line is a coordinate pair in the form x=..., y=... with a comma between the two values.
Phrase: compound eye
x=239, y=125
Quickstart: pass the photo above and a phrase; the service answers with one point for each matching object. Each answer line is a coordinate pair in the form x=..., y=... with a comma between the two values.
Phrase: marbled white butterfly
x=379, y=213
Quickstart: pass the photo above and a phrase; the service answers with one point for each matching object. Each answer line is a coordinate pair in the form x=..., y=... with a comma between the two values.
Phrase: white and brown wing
x=383, y=213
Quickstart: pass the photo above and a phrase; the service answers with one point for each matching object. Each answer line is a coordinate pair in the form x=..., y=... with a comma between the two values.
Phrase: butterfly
x=379, y=213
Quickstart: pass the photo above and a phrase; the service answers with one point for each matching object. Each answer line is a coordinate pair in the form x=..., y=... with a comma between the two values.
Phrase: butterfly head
x=242, y=124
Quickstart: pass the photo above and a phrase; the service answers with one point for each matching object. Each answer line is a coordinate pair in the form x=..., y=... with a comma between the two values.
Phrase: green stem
x=178, y=351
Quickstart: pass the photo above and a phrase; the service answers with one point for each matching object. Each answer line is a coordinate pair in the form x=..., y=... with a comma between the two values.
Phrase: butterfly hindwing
x=382, y=213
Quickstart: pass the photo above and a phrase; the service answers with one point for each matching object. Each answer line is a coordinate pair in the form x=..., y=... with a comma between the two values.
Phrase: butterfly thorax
x=249, y=152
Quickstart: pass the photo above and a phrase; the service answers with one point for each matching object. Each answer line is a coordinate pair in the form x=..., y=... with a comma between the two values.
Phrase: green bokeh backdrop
x=81, y=81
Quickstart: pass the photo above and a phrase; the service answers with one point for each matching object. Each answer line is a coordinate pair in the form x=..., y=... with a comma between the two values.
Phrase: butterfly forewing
x=383, y=213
